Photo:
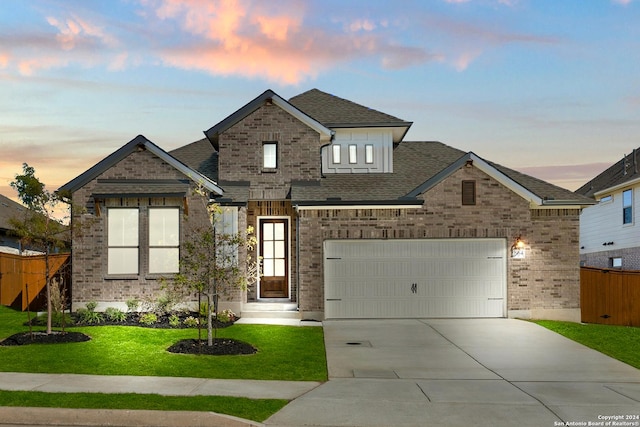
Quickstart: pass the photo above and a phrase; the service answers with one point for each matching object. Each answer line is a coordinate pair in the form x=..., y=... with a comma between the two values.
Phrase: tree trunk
x=209, y=320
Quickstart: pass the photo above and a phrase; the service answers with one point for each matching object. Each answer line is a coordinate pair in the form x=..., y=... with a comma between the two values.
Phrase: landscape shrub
x=148, y=318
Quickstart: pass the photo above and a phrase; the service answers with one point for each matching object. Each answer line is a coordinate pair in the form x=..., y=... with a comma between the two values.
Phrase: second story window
x=368, y=154
x=335, y=154
x=627, y=206
x=269, y=155
x=353, y=154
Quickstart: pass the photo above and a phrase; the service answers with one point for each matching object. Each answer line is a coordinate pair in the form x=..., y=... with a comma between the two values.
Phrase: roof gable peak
x=268, y=97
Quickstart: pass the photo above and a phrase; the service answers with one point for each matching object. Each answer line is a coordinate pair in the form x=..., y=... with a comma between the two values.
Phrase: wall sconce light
x=517, y=249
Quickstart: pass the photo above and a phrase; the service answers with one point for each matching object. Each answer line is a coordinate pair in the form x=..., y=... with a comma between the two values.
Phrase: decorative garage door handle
x=414, y=288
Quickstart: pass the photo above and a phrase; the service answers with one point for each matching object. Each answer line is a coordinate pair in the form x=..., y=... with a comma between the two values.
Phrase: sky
x=549, y=88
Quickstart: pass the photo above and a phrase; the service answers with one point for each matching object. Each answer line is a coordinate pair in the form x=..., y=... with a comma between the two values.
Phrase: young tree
x=38, y=227
x=211, y=265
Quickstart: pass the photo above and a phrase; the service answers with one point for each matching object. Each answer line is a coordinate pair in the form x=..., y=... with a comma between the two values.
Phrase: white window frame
x=164, y=242
x=123, y=242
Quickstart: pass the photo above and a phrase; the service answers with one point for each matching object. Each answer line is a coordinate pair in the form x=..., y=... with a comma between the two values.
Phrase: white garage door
x=415, y=278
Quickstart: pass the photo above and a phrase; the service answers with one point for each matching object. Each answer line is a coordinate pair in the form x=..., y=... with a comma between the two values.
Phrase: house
x=352, y=221
x=9, y=241
x=609, y=232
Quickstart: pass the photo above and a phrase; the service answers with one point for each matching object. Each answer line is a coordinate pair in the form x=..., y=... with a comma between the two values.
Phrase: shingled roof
x=335, y=112
x=418, y=165
x=620, y=173
x=9, y=209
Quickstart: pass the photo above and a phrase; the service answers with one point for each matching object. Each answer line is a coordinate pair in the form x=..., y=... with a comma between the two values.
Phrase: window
x=164, y=240
x=468, y=192
x=226, y=222
x=122, y=241
x=615, y=262
x=368, y=154
x=269, y=155
x=336, y=154
x=353, y=154
x=627, y=207
x=606, y=199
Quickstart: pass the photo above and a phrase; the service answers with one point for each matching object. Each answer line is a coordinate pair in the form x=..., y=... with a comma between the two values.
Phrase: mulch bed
x=220, y=347
x=39, y=337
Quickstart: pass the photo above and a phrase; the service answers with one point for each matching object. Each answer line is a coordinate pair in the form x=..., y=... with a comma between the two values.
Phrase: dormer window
x=335, y=154
x=353, y=154
x=269, y=155
x=368, y=154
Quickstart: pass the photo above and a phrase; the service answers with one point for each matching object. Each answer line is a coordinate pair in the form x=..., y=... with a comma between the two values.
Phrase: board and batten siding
x=602, y=223
x=380, y=138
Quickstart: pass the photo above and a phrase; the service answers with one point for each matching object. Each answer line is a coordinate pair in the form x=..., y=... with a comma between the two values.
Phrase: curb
x=117, y=417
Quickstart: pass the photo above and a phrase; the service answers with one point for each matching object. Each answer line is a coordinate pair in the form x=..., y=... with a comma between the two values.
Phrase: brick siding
x=89, y=276
x=548, y=277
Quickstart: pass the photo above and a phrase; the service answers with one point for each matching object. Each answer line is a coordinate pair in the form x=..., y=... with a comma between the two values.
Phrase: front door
x=274, y=249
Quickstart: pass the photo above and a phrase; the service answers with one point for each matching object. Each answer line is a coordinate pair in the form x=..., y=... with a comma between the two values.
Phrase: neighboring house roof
x=9, y=209
x=124, y=151
x=266, y=97
x=621, y=174
x=335, y=112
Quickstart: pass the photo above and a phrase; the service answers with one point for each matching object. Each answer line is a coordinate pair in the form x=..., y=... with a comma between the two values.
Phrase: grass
x=619, y=342
x=284, y=353
x=251, y=409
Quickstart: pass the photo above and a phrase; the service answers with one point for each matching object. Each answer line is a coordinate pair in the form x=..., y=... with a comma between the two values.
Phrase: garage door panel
x=415, y=278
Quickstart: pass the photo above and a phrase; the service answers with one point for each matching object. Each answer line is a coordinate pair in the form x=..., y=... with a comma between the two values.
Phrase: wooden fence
x=16, y=272
x=610, y=297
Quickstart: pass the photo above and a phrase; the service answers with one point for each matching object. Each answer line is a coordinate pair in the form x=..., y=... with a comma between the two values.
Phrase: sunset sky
x=550, y=88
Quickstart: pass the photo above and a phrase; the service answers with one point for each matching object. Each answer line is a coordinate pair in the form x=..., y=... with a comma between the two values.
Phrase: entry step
x=272, y=310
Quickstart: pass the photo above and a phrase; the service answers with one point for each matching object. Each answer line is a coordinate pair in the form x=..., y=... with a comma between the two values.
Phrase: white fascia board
x=347, y=207
x=505, y=180
x=618, y=187
x=325, y=133
x=194, y=175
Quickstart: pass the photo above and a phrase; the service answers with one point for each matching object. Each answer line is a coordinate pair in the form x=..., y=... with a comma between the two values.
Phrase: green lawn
x=619, y=342
x=284, y=353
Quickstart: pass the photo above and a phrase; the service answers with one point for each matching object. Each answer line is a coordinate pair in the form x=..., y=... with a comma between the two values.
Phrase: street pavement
x=429, y=372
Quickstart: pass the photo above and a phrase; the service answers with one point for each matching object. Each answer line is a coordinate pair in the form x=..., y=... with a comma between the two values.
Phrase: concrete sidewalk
x=166, y=386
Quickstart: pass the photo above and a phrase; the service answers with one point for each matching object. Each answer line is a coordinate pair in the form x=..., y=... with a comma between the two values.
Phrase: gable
x=268, y=97
x=139, y=143
x=535, y=191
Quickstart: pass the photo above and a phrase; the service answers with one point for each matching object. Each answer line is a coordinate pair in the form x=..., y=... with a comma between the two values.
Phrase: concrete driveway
x=462, y=372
